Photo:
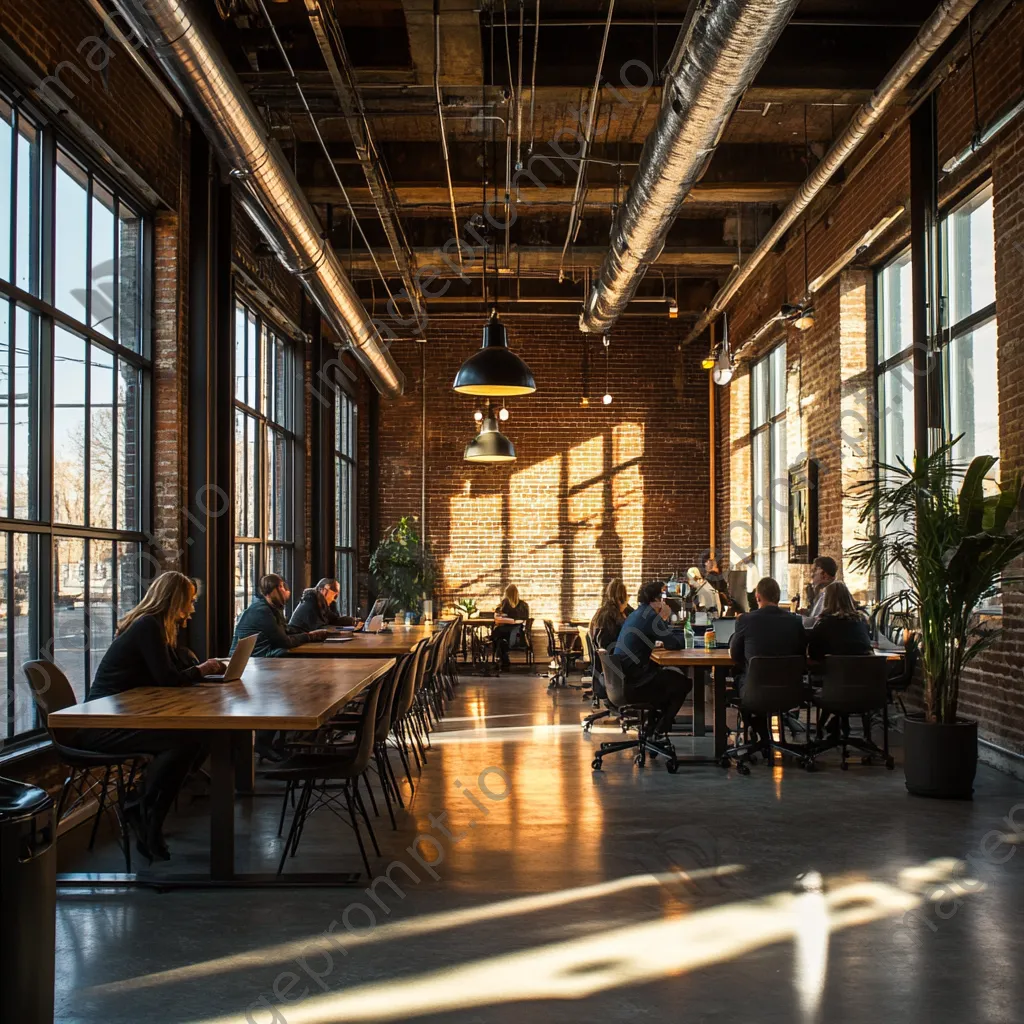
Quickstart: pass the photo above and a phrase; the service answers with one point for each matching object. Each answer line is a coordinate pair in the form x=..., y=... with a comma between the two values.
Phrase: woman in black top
x=511, y=612
x=840, y=629
x=145, y=652
x=608, y=619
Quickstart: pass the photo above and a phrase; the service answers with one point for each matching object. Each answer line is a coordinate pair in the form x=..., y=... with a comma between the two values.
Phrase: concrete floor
x=566, y=895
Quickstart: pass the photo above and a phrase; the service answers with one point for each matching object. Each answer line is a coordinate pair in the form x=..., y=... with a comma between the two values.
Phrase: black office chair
x=646, y=715
x=773, y=686
x=855, y=685
x=324, y=775
x=523, y=641
x=598, y=690
x=51, y=692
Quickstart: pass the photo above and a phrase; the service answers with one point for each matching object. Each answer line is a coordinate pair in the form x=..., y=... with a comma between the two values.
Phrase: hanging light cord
x=323, y=144
x=974, y=80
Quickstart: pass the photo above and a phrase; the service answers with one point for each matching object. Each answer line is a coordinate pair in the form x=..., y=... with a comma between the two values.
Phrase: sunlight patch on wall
x=472, y=567
x=535, y=553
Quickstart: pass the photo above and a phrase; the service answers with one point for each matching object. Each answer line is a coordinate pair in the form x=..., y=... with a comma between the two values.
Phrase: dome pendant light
x=494, y=371
x=490, y=445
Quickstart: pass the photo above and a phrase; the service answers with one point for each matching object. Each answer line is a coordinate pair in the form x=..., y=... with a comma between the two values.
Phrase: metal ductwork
x=197, y=65
x=722, y=48
x=934, y=32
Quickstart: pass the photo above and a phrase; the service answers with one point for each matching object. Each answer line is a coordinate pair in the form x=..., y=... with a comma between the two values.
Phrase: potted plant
x=467, y=606
x=949, y=549
x=404, y=567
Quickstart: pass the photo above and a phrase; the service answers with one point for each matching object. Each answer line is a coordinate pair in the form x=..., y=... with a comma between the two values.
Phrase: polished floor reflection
x=521, y=885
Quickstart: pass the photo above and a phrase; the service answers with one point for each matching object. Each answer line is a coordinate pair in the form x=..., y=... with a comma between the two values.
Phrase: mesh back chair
x=323, y=776
x=646, y=715
x=51, y=692
x=855, y=685
x=772, y=687
x=598, y=691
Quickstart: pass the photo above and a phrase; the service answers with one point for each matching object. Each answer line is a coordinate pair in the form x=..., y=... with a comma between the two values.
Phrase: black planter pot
x=940, y=760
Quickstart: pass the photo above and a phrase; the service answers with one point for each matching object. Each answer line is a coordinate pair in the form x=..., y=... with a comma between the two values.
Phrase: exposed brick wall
x=100, y=83
x=833, y=362
x=596, y=492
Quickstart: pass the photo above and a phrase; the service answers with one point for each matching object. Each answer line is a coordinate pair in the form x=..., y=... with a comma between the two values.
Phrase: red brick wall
x=596, y=492
x=825, y=359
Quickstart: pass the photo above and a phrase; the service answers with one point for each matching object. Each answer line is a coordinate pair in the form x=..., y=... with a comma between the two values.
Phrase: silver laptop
x=375, y=619
x=236, y=666
x=724, y=629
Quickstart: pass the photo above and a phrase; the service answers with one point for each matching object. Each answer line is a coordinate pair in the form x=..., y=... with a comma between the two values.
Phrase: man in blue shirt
x=644, y=630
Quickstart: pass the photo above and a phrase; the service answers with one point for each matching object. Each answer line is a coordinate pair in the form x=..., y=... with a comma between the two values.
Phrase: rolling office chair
x=646, y=714
x=51, y=691
x=772, y=687
x=598, y=689
x=855, y=685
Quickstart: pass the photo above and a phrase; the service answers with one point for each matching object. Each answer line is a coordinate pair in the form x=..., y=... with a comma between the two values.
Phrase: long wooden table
x=400, y=640
x=705, y=662
x=273, y=693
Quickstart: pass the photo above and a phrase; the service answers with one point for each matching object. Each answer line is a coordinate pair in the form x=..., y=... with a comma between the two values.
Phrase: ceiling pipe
x=199, y=69
x=934, y=32
x=724, y=46
x=324, y=22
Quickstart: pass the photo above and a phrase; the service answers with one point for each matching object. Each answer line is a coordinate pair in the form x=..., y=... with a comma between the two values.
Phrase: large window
x=969, y=381
x=769, y=469
x=895, y=377
x=345, y=499
x=74, y=380
x=266, y=439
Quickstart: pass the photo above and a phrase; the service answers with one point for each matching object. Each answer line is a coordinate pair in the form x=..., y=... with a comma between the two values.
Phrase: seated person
x=265, y=618
x=840, y=628
x=643, y=631
x=316, y=609
x=608, y=619
x=144, y=653
x=511, y=612
x=768, y=631
x=822, y=574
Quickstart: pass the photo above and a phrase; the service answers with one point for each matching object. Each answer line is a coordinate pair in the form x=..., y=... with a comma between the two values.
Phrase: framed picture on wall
x=803, y=512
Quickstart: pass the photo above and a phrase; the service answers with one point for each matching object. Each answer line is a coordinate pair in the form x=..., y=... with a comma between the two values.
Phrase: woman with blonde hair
x=145, y=652
x=512, y=612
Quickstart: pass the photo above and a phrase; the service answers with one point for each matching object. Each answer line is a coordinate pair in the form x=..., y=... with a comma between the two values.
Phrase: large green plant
x=403, y=566
x=949, y=549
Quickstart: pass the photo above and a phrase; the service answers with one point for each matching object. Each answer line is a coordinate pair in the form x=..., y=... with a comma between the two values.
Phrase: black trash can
x=28, y=903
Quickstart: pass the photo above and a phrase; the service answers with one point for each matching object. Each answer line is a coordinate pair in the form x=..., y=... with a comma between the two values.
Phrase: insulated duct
x=195, y=62
x=722, y=48
x=934, y=32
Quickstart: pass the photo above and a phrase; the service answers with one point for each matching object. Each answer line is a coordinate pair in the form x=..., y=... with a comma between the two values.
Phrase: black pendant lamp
x=490, y=445
x=494, y=371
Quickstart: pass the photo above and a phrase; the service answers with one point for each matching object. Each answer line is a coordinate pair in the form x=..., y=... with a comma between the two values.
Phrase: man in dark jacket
x=769, y=631
x=643, y=631
x=265, y=618
x=316, y=609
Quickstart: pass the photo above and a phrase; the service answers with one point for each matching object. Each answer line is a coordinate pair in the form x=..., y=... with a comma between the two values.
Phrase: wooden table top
x=273, y=693
x=401, y=640
x=721, y=656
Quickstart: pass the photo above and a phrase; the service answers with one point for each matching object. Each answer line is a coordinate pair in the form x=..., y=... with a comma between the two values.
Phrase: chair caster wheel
x=743, y=769
x=639, y=760
x=672, y=766
x=843, y=766
x=596, y=764
x=586, y=728
x=890, y=763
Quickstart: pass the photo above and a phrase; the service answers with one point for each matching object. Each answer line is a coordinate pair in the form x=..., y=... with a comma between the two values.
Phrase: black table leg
x=719, y=712
x=245, y=762
x=222, y=806
x=699, y=682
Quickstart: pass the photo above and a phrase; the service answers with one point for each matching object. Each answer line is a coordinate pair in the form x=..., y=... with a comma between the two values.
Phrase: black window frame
x=129, y=546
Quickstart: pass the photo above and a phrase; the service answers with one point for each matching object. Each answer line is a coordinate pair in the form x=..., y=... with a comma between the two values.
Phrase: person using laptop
x=265, y=619
x=316, y=609
x=145, y=652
